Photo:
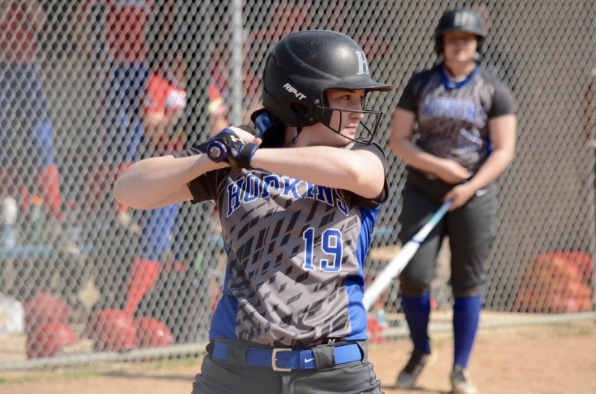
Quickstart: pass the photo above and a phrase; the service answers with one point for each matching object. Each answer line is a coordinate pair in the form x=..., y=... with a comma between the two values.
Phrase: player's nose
x=357, y=114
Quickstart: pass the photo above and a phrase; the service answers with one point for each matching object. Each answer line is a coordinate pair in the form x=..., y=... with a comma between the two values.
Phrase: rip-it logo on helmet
x=295, y=92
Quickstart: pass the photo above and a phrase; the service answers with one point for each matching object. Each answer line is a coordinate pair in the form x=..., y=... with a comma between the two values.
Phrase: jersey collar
x=450, y=84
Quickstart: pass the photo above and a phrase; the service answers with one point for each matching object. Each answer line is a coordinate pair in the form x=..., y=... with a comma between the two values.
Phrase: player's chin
x=349, y=133
x=343, y=140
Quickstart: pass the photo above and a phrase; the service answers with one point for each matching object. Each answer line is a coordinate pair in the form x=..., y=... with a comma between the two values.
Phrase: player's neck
x=458, y=71
x=293, y=139
x=290, y=139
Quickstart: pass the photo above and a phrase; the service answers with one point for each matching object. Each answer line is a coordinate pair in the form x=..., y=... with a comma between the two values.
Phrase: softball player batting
x=466, y=131
x=297, y=209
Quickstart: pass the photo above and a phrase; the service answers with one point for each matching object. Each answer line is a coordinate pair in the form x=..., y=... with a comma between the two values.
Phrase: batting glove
x=238, y=154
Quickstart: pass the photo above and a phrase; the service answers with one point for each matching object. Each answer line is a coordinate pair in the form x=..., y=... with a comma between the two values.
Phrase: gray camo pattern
x=460, y=139
x=281, y=303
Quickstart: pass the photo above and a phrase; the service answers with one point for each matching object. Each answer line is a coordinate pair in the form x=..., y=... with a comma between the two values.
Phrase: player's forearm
x=494, y=166
x=150, y=181
x=414, y=156
x=357, y=171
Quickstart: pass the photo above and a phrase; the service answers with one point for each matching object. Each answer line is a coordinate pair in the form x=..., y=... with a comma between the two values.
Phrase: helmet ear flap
x=324, y=114
x=479, y=43
x=439, y=45
x=299, y=109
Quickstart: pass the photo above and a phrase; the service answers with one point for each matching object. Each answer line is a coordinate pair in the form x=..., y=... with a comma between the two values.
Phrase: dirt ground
x=556, y=359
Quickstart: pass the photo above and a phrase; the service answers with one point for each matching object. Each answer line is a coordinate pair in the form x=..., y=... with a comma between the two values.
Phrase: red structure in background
x=556, y=282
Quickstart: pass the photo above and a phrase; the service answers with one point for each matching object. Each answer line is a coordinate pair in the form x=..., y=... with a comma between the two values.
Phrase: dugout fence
x=75, y=110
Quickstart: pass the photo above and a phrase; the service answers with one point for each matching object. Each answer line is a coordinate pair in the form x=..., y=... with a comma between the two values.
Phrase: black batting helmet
x=459, y=20
x=303, y=65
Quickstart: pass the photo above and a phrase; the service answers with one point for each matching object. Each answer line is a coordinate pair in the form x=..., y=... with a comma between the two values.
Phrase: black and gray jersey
x=452, y=118
x=295, y=256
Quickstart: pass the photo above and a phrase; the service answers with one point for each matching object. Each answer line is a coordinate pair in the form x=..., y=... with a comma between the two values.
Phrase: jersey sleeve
x=408, y=100
x=202, y=188
x=377, y=151
x=502, y=102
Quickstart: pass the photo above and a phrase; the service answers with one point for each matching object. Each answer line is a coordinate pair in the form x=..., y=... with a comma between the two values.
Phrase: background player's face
x=346, y=122
x=459, y=47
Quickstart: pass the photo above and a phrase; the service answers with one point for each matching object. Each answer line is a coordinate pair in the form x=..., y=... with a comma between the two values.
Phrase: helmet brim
x=460, y=29
x=367, y=85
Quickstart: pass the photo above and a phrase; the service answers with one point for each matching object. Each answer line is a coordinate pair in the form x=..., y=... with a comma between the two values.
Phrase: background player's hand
x=460, y=194
x=452, y=172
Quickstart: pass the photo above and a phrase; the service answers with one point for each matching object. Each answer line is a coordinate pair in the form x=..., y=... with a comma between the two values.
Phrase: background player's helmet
x=112, y=330
x=152, y=333
x=49, y=339
x=459, y=20
x=303, y=65
x=44, y=308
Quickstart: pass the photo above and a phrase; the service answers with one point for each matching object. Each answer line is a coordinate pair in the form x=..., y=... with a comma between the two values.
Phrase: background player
x=465, y=139
x=122, y=27
x=24, y=111
x=122, y=33
x=165, y=102
x=297, y=214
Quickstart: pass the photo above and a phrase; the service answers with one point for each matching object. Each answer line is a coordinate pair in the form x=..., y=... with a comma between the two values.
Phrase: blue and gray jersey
x=453, y=117
x=295, y=255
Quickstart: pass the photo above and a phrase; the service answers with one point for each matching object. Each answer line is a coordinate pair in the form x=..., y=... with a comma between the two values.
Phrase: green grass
x=99, y=371
x=47, y=376
x=570, y=331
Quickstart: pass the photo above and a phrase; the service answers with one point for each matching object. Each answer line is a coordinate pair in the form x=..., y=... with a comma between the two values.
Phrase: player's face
x=459, y=47
x=346, y=122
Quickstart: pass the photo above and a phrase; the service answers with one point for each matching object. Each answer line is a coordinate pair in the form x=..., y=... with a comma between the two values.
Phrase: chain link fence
x=89, y=86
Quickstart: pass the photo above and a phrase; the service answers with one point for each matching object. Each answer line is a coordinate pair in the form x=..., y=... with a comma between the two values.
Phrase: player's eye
x=353, y=97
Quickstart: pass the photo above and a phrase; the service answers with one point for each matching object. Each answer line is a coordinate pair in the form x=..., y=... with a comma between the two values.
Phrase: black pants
x=231, y=377
x=470, y=229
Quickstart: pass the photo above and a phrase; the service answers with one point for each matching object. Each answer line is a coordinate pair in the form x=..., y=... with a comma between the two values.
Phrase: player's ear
x=299, y=109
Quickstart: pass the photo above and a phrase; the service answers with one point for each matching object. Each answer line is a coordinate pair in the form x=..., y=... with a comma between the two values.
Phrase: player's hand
x=452, y=172
x=230, y=147
x=246, y=136
x=460, y=194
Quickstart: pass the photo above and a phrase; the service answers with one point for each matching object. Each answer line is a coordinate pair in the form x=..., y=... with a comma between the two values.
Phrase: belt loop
x=324, y=356
x=363, y=345
x=235, y=352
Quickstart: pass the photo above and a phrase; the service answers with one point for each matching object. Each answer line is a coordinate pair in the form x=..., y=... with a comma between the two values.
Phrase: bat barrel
x=391, y=270
x=399, y=262
x=216, y=151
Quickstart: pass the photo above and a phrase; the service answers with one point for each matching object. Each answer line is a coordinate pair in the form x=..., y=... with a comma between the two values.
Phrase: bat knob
x=216, y=151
